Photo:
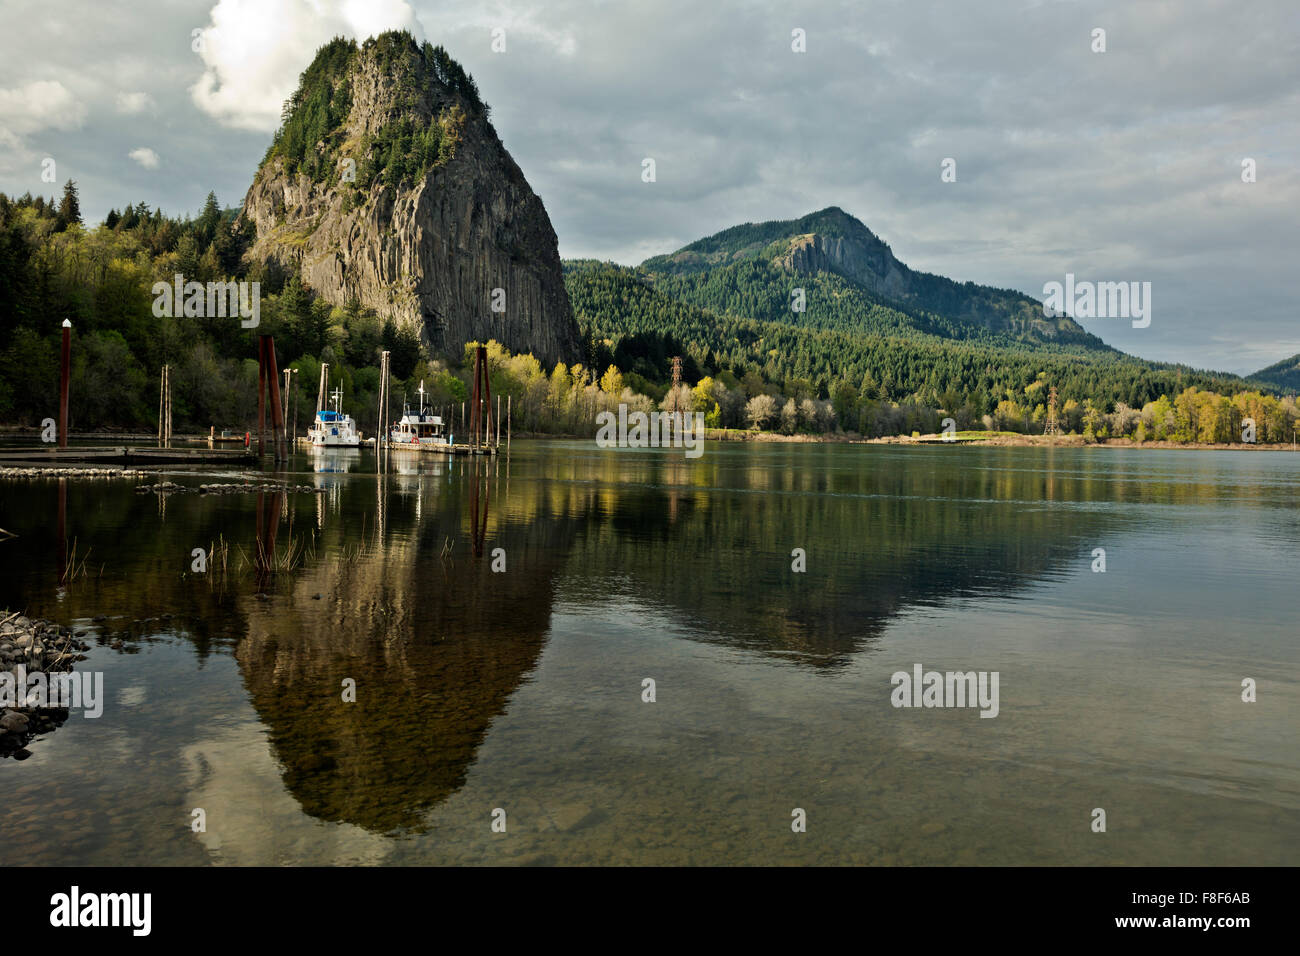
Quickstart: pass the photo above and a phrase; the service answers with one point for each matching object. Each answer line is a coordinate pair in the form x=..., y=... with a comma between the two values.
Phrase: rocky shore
x=37, y=647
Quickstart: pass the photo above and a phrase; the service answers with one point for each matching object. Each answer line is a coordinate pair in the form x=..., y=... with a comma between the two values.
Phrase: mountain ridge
x=835, y=242
x=1283, y=375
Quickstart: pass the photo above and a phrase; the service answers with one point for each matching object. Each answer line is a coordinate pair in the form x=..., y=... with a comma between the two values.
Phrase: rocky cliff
x=387, y=182
x=871, y=264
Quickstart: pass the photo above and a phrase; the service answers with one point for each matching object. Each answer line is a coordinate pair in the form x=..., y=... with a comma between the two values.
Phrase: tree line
x=737, y=371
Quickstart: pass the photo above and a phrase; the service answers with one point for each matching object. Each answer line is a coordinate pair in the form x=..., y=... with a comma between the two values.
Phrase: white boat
x=333, y=429
x=418, y=426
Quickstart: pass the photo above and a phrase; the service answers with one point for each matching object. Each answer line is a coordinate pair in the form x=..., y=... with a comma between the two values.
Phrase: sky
x=1117, y=165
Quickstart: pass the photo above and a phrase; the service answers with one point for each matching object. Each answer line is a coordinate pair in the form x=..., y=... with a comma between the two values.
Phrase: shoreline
x=1010, y=440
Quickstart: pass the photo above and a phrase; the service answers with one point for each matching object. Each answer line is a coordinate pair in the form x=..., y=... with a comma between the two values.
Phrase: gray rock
x=429, y=253
x=13, y=723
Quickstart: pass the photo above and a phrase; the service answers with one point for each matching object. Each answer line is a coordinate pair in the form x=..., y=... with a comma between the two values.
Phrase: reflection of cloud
x=251, y=819
x=254, y=50
x=131, y=696
x=145, y=156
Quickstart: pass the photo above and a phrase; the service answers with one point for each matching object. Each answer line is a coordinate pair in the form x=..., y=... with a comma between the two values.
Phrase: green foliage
x=102, y=278
x=736, y=272
x=1282, y=376
x=881, y=372
x=404, y=344
x=403, y=151
x=315, y=113
x=313, y=121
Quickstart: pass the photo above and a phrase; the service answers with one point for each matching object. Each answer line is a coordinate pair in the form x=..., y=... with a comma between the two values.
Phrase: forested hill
x=1283, y=376
x=852, y=282
x=638, y=322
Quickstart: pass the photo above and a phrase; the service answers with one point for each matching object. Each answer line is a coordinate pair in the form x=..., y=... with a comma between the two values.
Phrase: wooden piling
x=381, y=434
x=320, y=393
x=261, y=396
x=65, y=381
x=273, y=381
x=162, y=404
x=167, y=435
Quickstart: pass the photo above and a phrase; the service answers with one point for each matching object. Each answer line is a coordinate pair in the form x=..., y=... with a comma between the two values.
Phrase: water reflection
x=434, y=641
x=384, y=577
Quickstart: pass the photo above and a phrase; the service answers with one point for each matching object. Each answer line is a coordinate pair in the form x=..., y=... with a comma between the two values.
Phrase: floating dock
x=128, y=455
x=405, y=447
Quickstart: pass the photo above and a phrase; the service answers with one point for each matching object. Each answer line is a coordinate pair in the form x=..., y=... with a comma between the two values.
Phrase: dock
x=127, y=455
x=369, y=443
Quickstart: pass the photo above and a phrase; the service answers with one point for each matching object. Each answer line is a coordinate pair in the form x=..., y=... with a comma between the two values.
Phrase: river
x=501, y=622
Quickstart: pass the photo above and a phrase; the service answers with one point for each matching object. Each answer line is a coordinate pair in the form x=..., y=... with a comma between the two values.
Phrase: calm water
x=522, y=690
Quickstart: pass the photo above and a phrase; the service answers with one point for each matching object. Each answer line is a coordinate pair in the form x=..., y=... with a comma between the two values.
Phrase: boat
x=418, y=427
x=333, y=429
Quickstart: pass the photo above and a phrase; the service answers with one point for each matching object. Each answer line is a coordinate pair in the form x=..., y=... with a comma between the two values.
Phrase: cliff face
x=391, y=185
x=873, y=265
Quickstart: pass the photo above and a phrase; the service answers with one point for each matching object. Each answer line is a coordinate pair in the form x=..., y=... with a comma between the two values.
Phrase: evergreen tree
x=70, y=207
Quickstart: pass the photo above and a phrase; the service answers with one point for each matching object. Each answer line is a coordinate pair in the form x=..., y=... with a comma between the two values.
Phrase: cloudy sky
x=1116, y=165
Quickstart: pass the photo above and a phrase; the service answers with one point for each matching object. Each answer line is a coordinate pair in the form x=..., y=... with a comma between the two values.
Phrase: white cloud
x=145, y=156
x=254, y=50
x=25, y=110
x=41, y=104
x=131, y=103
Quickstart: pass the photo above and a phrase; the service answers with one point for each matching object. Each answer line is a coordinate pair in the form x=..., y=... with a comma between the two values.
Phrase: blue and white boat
x=333, y=429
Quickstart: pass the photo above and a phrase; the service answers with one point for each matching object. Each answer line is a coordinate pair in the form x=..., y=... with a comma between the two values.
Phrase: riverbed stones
x=42, y=471
x=36, y=646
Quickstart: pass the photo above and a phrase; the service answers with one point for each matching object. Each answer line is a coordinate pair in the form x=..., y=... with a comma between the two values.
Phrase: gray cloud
x=1121, y=165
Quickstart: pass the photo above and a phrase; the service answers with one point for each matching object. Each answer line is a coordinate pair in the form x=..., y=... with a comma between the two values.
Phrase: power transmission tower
x=677, y=381
x=1053, y=426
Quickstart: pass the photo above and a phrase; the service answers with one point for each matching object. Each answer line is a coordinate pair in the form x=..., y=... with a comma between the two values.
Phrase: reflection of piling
x=268, y=522
x=65, y=380
x=478, y=530
x=63, y=531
